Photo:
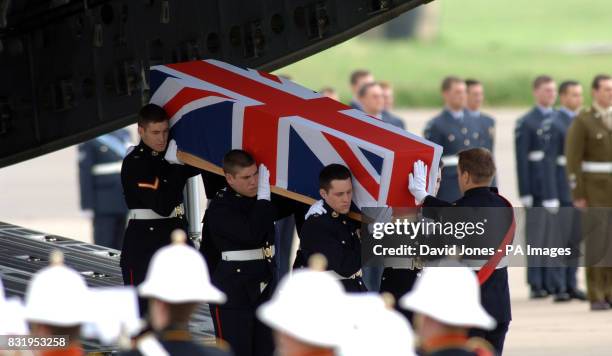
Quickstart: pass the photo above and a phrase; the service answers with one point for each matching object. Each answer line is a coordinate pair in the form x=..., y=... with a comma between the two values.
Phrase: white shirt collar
x=456, y=114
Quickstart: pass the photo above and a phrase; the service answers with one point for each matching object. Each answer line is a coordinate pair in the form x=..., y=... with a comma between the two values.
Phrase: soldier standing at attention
x=454, y=130
x=389, y=101
x=566, y=226
x=358, y=79
x=153, y=189
x=588, y=150
x=475, y=99
x=100, y=183
x=330, y=232
x=238, y=242
x=529, y=145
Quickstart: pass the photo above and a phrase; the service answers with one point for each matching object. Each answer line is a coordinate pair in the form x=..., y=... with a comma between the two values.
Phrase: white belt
x=336, y=275
x=597, y=167
x=106, y=168
x=450, y=160
x=561, y=161
x=248, y=255
x=149, y=214
x=535, y=156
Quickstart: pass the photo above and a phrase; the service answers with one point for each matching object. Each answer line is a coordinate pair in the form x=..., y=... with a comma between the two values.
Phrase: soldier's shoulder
x=317, y=221
x=221, y=196
x=489, y=120
x=134, y=153
x=436, y=119
x=528, y=116
x=586, y=114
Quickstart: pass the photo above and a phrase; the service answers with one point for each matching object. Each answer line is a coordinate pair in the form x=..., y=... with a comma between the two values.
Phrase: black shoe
x=538, y=294
x=577, y=294
x=595, y=306
x=562, y=297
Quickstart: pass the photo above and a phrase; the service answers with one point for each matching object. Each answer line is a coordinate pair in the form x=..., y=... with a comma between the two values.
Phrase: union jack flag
x=215, y=106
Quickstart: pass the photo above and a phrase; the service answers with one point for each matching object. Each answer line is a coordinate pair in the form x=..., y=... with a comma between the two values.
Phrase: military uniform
x=530, y=165
x=588, y=150
x=494, y=292
x=392, y=119
x=238, y=243
x=153, y=190
x=177, y=341
x=399, y=281
x=100, y=185
x=456, y=345
x=456, y=132
x=337, y=237
x=565, y=226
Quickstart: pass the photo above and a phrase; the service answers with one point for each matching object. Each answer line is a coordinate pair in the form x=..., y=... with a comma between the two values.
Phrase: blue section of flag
x=156, y=78
x=206, y=132
x=375, y=160
x=304, y=167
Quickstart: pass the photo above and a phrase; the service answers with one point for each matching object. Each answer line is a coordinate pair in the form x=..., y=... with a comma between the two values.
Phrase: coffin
x=294, y=131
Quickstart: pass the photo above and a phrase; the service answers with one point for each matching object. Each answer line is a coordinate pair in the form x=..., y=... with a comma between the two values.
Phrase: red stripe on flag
x=357, y=169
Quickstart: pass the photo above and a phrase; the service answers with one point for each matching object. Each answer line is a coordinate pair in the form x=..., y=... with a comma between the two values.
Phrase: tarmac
x=43, y=194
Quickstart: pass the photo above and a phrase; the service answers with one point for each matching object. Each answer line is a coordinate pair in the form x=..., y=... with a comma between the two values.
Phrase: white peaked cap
x=377, y=328
x=450, y=295
x=57, y=295
x=178, y=274
x=308, y=306
x=115, y=314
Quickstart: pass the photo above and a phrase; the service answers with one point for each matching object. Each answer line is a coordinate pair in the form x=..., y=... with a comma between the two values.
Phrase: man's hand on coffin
x=263, y=186
x=171, y=153
x=417, y=182
x=316, y=208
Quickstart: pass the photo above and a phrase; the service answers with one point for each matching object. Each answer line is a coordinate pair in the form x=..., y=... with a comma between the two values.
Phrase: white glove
x=417, y=182
x=551, y=205
x=171, y=153
x=527, y=201
x=263, y=185
x=316, y=208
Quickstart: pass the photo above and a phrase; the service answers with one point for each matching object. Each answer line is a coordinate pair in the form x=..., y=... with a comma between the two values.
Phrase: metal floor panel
x=23, y=252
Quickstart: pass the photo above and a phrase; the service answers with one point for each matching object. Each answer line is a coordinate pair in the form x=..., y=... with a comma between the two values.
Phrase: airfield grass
x=504, y=43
